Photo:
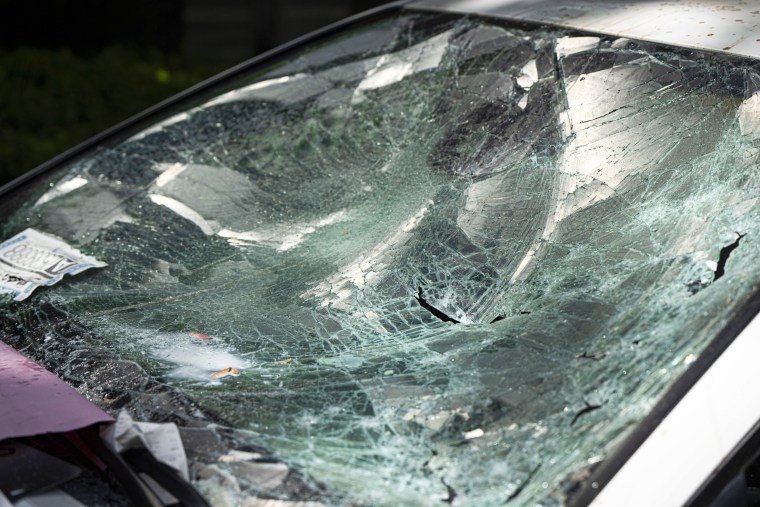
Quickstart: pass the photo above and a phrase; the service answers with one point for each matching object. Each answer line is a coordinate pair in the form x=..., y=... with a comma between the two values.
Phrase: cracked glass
x=431, y=258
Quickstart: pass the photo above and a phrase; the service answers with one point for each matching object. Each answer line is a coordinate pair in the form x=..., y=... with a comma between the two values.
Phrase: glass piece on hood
x=448, y=257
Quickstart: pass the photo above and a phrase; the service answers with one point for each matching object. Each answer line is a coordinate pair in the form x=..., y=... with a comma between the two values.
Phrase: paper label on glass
x=32, y=259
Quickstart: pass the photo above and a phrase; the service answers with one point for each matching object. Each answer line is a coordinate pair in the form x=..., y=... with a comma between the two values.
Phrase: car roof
x=712, y=25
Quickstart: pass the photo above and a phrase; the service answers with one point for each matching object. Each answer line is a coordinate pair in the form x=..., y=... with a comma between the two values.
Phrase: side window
x=736, y=482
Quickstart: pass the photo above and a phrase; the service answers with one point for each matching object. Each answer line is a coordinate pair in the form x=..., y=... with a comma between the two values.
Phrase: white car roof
x=714, y=25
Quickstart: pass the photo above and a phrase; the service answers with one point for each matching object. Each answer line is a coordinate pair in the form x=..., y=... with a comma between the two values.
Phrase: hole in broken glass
x=589, y=407
x=718, y=268
x=433, y=310
x=725, y=252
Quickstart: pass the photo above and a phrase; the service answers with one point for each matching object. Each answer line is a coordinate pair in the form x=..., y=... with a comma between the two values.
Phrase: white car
x=495, y=252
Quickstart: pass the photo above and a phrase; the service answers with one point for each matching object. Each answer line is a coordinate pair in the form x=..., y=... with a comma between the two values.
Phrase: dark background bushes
x=50, y=100
x=72, y=68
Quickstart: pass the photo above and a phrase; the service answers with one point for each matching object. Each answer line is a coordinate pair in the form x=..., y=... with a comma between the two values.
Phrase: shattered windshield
x=431, y=258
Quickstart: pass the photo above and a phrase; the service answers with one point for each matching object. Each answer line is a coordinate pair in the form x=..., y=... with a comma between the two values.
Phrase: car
x=474, y=252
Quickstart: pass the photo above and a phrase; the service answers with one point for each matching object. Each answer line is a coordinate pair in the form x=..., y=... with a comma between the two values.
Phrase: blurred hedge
x=50, y=100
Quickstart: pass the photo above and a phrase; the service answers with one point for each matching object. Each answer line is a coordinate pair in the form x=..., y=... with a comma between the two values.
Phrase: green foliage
x=50, y=100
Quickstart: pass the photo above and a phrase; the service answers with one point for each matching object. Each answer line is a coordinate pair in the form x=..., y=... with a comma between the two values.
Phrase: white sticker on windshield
x=32, y=259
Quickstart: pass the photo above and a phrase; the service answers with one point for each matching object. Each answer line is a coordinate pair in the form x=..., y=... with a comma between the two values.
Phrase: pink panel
x=34, y=401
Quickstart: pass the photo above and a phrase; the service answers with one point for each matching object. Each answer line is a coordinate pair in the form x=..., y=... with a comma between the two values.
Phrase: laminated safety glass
x=451, y=259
